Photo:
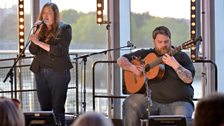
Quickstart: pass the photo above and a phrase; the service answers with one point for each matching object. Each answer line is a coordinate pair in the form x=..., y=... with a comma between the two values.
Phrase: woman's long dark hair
x=44, y=32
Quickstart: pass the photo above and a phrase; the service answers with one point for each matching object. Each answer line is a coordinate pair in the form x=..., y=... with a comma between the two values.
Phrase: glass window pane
x=175, y=14
x=87, y=36
x=81, y=14
x=8, y=25
x=148, y=14
x=27, y=18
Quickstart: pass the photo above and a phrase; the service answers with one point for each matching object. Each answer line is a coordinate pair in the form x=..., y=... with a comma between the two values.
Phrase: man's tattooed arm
x=124, y=63
x=184, y=74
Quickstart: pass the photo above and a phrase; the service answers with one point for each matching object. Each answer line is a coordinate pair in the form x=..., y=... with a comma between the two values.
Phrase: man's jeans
x=135, y=106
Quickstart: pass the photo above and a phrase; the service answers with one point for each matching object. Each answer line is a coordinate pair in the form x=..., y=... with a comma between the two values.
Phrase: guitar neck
x=175, y=50
x=156, y=62
x=159, y=59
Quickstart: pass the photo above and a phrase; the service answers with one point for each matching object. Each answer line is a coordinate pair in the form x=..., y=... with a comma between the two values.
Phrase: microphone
x=130, y=44
x=40, y=23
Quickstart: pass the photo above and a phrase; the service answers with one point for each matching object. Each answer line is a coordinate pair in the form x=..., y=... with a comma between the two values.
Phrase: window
x=9, y=24
x=175, y=14
x=148, y=14
x=81, y=14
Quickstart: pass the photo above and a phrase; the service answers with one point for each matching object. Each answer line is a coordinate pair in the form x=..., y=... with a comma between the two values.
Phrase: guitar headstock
x=191, y=43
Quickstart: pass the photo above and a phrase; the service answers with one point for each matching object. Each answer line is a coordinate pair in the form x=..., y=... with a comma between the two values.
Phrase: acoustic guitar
x=154, y=68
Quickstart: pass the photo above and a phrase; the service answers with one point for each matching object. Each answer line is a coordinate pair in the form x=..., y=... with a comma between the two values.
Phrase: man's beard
x=162, y=51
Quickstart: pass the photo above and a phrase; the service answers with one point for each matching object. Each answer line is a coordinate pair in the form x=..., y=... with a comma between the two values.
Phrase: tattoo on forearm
x=184, y=74
x=124, y=63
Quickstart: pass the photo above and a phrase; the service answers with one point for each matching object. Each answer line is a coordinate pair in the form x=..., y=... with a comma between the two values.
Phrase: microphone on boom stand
x=130, y=44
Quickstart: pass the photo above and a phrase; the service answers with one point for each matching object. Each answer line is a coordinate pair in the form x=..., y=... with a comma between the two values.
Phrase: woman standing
x=51, y=64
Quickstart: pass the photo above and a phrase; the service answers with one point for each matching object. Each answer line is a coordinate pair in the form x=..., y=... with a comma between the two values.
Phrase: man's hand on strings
x=137, y=69
x=170, y=61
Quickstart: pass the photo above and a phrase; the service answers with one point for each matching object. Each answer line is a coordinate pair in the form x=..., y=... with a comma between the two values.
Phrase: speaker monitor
x=166, y=120
x=37, y=118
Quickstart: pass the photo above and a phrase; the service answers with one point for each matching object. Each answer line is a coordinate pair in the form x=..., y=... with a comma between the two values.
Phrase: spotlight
x=99, y=12
x=21, y=25
x=193, y=28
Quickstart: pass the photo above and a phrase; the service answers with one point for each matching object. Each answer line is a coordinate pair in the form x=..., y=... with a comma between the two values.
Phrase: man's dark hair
x=161, y=30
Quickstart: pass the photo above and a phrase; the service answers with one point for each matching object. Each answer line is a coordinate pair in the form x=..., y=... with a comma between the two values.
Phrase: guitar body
x=135, y=84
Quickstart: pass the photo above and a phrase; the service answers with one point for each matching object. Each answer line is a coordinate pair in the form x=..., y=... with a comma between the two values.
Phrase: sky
x=163, y=8
x=160, y=8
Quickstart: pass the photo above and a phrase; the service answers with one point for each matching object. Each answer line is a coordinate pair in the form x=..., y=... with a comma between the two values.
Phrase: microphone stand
x=84, y=59
x=21, y=54
x=148, y=91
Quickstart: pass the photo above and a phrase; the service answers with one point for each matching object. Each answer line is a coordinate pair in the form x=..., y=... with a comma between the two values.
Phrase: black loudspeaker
x=37, y=118
x=167, y=120
x=117, y=122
